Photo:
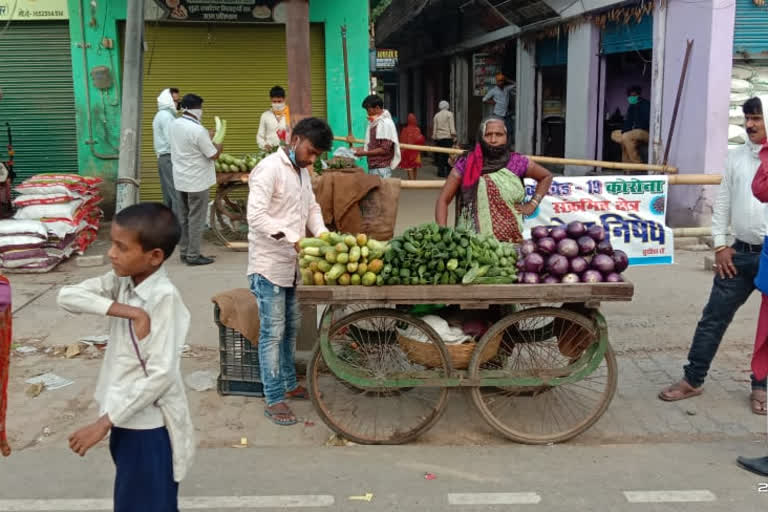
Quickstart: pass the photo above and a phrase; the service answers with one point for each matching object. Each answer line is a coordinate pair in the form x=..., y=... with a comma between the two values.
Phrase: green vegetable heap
x=430, y=254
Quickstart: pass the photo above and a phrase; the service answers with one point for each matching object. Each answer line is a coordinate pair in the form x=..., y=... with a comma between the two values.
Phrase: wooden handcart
x=228, y=214
x=540, y=374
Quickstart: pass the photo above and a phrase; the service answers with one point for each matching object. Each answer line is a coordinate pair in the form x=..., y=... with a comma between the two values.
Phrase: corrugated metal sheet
x=232, y=67
x=552, y=52
x=750, y=35
x=38, y=97
x=629, y=37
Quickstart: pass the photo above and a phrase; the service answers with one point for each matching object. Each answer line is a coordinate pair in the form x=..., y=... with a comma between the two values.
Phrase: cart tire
x=228, y=215
x=544, y=414
x=391, y=415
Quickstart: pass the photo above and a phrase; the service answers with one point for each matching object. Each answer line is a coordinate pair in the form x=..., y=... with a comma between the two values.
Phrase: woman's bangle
x=534, y=202
x=538, y=198
x=720, y=249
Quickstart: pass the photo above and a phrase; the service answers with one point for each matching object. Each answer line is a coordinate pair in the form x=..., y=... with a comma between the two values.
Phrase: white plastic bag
x=345, y=152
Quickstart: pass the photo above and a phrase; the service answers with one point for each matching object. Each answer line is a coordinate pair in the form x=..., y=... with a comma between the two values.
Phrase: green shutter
x=232, y=67
x=38, y=97
x=750, y=33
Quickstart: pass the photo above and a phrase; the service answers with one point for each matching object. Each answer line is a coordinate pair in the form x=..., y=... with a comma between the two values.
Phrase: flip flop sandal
x=300, y=393
x=758, y=404
x=287, y=420
x=679, y=391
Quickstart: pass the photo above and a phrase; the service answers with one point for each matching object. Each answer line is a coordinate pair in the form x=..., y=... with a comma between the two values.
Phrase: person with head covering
x=167, y=108
x=382, y=145
x=736, y=212
x=488, y=184
x=411, y=159
x=444, y=135
x=500, y=96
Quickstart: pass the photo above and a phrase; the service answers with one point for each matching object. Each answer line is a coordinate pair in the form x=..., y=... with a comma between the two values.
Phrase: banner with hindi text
x=631, y=209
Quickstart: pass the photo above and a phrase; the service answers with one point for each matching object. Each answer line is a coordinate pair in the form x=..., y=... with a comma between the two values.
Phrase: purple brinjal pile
x=570, y=254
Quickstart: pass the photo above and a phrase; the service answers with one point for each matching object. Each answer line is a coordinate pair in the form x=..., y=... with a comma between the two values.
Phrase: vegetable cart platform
x=540, y=374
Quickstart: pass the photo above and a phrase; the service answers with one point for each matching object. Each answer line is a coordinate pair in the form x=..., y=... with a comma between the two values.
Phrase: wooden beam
x=298, y=59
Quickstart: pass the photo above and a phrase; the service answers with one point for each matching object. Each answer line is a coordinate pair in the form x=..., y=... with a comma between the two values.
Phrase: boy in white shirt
x=142, y=403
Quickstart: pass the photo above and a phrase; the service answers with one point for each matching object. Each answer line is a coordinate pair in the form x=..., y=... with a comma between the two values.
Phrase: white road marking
x=495, y=498
x=186, y=503
x=697, y=496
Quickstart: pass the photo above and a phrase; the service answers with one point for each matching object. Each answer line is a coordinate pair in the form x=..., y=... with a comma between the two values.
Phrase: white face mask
x=278, y=107
x=197, y=112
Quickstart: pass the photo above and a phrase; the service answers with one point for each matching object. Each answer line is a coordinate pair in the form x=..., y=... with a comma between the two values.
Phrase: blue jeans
x=279, y=316
x=382, y=172
x=727, y=296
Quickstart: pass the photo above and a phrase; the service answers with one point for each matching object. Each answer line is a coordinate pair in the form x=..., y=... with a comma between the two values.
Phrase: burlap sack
x=379, y=209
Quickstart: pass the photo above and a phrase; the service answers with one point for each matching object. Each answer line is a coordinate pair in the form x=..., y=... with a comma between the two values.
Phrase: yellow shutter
x=232, y=67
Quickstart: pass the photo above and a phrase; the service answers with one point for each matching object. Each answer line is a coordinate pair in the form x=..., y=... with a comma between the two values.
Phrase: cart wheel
x=366, y=344
x=228, y=214
x=546, y=343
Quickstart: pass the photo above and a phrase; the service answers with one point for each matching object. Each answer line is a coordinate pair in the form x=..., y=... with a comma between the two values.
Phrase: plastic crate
x=239, y=362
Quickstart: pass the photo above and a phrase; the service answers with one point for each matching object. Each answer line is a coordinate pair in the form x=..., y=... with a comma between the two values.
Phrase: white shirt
x=444, y=126
x=191, y=154
x=279, y=200
x=161, y=126
x=501, y=99
x=735, y=206
x=268, y=127
x=125, y=394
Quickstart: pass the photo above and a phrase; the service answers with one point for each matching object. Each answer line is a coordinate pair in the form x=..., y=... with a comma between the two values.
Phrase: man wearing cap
x=499, y=96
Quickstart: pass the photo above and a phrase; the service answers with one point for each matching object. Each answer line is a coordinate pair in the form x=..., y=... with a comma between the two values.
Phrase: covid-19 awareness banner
x=631, y=209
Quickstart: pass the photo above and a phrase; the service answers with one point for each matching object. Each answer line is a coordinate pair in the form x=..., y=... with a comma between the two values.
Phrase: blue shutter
x=750, y=35
x=621, y=38
x=552, y=52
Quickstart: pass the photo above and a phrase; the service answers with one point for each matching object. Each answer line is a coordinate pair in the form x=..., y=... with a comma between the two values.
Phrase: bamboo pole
x=540, y=159
x=675, y=179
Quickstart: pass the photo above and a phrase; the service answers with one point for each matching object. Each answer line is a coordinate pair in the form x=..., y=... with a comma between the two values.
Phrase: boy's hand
x=85, y=438
x=141, y=324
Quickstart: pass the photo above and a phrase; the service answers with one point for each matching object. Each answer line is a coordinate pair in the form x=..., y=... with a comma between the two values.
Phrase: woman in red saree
x=411, y=134
x=5, y=356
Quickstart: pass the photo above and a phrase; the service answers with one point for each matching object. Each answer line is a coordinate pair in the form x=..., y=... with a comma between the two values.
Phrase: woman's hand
x=527, y=209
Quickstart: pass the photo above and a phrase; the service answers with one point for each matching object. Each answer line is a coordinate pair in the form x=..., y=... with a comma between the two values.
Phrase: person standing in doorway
x=634, y=133
x=167, y=109
x=281, y=209
x=411, y=158
x=444, y=135
x=276, y=122
x=382, y=147
x=193, y=153
x=735, y=266
x=499, y=96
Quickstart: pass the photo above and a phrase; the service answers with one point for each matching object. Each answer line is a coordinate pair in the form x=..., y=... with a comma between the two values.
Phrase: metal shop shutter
x=552, y=52
x=232, y=67
x=750, y=34
x=621, y=38
x=38, y=98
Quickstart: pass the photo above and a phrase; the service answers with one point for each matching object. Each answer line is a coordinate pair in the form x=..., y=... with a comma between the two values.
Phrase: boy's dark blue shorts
x=144, y=481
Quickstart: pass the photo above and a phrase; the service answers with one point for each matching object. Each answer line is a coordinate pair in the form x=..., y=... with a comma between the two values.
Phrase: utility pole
x=130, y=125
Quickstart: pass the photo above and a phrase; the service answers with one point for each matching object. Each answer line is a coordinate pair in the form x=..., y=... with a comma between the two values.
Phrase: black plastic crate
x=239, y=362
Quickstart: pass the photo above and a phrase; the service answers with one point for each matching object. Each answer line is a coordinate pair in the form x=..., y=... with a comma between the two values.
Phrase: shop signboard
x=386, y=60
x=632, y=211
x=246, y=11
x=485, y=66
x=33, y=10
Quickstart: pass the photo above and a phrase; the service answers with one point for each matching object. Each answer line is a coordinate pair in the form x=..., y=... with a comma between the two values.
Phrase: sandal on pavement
x=280, y=414
x=300, y=393
x=679, y=391
x=758, y=399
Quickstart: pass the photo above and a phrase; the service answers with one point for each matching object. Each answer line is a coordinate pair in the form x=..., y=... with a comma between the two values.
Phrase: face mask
x=292, y=156
x=197, y=112
x=278, y=107
x=632, y=100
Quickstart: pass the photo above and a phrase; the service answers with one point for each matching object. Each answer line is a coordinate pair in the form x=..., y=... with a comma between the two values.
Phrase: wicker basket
x=426, y=354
